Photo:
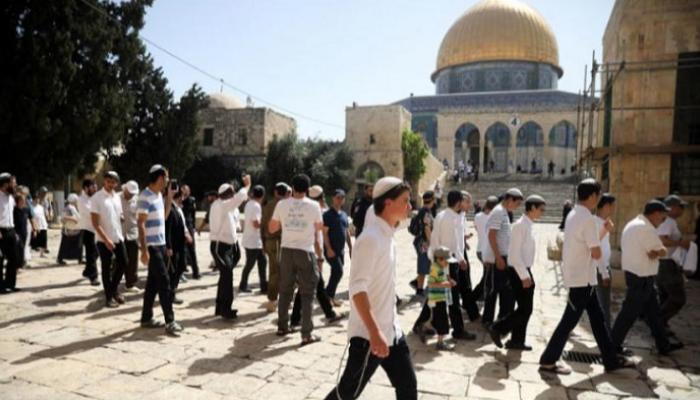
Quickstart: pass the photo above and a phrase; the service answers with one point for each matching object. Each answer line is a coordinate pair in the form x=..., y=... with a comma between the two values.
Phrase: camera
x=174, y=185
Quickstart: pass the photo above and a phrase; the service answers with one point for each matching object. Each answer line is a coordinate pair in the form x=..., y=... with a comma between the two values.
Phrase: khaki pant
x=272, y=249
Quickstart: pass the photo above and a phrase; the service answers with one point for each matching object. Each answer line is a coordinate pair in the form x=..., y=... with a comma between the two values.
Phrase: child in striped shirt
x=440, y=295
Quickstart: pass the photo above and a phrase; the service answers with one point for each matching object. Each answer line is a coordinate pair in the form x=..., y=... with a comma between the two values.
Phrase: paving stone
x=234, y=384
x=621, y=387
x=668, y=376
x=124, y=385
x=541, y=391
x=67, y=375
x=491, y=388
x=575, y=394
x=126, y=362
x=443, y=383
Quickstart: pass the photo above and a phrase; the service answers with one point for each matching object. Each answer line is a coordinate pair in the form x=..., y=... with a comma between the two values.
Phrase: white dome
x=222, y=100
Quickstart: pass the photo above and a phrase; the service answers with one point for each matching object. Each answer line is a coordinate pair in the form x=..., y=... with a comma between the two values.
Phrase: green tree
x=63, y=99
x=328, y=163
x=415, y=151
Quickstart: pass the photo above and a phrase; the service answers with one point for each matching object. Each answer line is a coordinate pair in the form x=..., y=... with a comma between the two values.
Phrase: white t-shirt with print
x=298, y=218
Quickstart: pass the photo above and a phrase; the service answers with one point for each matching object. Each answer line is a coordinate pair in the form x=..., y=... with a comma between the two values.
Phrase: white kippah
x=384, y=185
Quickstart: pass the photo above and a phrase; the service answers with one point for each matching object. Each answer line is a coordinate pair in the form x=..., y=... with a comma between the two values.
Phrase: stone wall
x=242, y=133
x=434, y=173
x=648, y=35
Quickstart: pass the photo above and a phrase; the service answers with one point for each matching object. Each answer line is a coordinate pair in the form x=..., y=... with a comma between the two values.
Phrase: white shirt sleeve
x=459, y=240
x=515, y=251
x=651, y=241
x=276, y=213
x=591, y=234
x=361, y=269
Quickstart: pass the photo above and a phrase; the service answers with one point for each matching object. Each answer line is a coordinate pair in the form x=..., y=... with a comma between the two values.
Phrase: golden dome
x=498, y=30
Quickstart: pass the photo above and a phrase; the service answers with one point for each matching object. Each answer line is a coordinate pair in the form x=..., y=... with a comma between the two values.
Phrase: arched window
x=467, y=144
x=497, y=144
x=529, y=148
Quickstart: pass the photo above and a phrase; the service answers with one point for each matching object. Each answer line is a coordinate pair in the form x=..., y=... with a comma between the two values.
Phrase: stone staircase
x=555, y=192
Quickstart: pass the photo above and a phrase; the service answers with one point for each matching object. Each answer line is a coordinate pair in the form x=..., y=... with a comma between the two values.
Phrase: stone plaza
x=58, y=342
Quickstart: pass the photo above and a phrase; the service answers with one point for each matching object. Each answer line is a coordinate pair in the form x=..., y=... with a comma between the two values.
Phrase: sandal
x=309, y=340
x=555, y=369
x=285, y=332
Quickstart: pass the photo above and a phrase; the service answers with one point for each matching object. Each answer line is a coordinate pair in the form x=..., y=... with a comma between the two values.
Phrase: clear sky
x=315, y=57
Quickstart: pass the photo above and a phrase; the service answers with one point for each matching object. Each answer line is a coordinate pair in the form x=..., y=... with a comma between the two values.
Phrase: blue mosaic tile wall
x=496, y=76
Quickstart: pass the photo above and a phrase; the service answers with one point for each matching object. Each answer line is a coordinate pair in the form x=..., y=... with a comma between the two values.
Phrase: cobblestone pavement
x=58, y=342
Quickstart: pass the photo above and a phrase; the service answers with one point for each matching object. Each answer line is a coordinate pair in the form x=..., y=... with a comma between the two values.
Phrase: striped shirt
x=151, y=204
x=438, y=294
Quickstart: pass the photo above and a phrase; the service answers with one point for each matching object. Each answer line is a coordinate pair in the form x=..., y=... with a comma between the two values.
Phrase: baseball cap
x=315, y=191
x=675, y=200
x=444, y=252
x=339, y=193
x=384, y=185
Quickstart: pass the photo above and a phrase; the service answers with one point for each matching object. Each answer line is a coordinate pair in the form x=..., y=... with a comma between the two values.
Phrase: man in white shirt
x=252, y=241
x=106, y=215
x=373, y=329
x=641, y=250
x=521, y=257
x=301, y=222
x=129, y=200
x=671, y=281
x=87, y=233
x=604, y=210
x=222, y=232
x=448, y=231
x=482, y=241
x=496, y=256
x=8, y=237
x=464, y=282
x=580, y=253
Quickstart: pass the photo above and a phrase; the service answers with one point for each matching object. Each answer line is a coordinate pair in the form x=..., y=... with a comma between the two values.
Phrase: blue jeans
x=423, y=267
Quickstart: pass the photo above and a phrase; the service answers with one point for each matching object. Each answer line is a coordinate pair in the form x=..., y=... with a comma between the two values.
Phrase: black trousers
x=437, y=315
x=515, y=322
x=251, y=257
x=581, y=299
x=113, y=267
x=455, y=310
x=497, y=287
x=323, y=300
x=640, y=298
x=90, y=270
x=478, y=290
x=132, y=262
x=157, y=282
x=8, y=245
x=224, y=292
x=671, y=284
x=176, y=267
x=192, y=252
x=398, y=368
x=464, y=282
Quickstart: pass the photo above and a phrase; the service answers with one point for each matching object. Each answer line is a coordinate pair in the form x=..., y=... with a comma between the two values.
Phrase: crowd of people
x=291, y=234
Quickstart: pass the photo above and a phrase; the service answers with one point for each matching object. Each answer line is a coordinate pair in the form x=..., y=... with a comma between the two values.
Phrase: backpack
x=416, y=225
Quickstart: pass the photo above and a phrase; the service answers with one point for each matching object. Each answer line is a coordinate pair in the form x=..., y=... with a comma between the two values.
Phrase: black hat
x=653, y=206
x=339, y=193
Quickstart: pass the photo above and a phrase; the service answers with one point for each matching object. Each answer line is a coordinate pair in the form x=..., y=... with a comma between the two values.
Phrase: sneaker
x=336, y=303
x=177, y=300
x=132, y=289
x=152, y=324
x=111, y=304
x=173, y=329
x=119, y=299
x=183, y=279
x=444, y=346
x=95, y=282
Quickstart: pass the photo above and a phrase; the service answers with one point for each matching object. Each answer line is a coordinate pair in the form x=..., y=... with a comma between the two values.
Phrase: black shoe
x=233, y=315
x=197, y=277
x=517, y=346
x=625, y=352
x=5, y=290
x=671, y=347
x=95, y=282
x=464, y=335
x=495, y=336
x=177, y=300
x=61, y=262
x=336, y=318
x=420, y=332
x=621, y=363
x=244, y=289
